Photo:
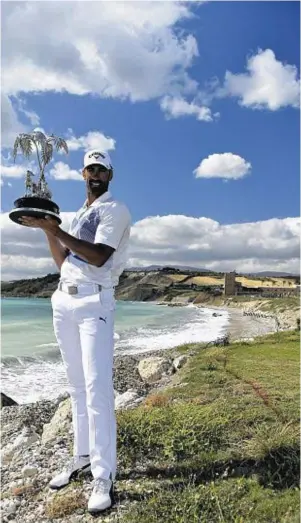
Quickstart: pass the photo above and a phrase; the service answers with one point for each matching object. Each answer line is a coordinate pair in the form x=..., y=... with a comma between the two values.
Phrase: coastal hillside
x=164, y=284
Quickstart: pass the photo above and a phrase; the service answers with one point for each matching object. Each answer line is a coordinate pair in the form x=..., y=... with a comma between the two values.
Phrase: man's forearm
x=89, y=252
x=58, y=251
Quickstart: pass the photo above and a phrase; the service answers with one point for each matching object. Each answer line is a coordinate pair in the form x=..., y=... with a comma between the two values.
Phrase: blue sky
x=132, y=94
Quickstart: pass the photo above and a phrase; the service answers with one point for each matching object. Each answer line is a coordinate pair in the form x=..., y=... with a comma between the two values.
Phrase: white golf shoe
x=74, y=466
x=102, y=496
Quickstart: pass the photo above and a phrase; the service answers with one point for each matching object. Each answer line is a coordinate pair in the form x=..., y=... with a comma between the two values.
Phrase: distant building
x=230, y=284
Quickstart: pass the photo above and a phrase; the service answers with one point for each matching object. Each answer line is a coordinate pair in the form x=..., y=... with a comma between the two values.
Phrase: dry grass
x=156, y=400
x=244, y=280
x=177, y=277
x=205, y=280
x=267, y=282
x=65, y=504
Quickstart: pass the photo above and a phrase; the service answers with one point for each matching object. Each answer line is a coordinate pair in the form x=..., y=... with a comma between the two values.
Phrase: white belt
x=83, y=288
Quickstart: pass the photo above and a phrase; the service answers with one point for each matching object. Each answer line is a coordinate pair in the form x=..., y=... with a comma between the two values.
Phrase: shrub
x=63, y=505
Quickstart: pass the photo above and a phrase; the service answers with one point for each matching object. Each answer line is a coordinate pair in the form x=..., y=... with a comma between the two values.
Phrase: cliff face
x=137, y=286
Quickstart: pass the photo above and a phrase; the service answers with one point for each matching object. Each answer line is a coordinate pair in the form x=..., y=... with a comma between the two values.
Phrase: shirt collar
x=103, y=198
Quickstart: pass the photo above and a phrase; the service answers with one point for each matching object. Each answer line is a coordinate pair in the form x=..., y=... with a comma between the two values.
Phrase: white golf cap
x=97, y=157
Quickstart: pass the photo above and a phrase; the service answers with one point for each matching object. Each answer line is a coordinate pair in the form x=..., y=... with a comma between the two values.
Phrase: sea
x=31, y=366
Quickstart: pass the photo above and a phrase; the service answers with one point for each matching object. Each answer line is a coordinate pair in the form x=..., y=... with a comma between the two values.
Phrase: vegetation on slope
x=221, y=444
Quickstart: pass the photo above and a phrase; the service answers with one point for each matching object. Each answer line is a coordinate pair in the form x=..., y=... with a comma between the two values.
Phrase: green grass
x=223, y=445
x=235, y=500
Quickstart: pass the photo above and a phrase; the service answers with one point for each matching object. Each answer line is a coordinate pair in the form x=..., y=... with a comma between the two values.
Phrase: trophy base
x=34, y=207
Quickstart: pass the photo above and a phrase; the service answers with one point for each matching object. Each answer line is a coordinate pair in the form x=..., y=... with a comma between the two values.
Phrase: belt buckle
x=72, y=289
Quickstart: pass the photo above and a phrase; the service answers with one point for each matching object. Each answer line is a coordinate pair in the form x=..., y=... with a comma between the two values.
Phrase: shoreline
x=237, y=326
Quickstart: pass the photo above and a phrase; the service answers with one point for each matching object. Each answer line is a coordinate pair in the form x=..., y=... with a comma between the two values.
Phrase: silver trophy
x=37, y=201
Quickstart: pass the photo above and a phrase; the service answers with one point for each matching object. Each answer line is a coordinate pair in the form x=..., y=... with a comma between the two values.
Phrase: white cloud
x=178, y=106
x=267, y=84
x=12, y=171
x=15, y=267
x=225, y=165
x=34, y=259
x=176, y=239
x=92, y=140
x=183, y=240
x=62, y=171
x=131, y=50
x=10, y=124
x=8, y=169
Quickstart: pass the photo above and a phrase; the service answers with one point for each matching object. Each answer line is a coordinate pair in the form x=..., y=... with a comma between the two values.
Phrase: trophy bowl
x=35, y=207
x=36, y=201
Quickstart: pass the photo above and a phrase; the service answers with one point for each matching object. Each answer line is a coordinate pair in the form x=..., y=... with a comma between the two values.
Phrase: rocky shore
x=37, y=441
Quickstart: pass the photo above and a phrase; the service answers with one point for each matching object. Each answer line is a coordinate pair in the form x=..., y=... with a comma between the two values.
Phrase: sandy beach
x=241, y=326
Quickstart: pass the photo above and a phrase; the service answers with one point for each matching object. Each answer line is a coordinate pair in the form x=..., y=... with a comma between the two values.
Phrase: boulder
x=128, y=399
x=152, y=369
x=6, y=401
x=63, y=396
x=179, y=362
x=26, y=438
x=60, y=423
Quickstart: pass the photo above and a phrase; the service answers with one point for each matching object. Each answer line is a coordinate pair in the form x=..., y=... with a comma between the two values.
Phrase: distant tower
x=230, y=284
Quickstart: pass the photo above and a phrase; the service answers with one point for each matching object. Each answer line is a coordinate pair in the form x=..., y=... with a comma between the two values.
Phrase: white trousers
x=84, y=328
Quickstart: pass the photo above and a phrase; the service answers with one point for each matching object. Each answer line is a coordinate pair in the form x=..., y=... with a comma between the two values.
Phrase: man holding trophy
x=91, y=257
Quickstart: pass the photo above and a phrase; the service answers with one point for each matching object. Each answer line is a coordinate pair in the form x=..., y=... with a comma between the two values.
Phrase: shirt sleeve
x=112, y=226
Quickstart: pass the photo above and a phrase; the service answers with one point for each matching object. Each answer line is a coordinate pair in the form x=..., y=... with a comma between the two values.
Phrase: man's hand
x=94, y=253
x=48, y=225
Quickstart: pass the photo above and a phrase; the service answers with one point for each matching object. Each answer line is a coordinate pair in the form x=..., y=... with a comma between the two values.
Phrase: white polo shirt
x=105, y=221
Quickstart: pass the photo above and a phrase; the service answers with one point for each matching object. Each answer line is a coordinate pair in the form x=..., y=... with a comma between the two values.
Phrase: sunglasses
x=96, y=169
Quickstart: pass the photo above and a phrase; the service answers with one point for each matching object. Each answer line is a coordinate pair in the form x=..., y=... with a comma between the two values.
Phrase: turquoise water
x=30, y=359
